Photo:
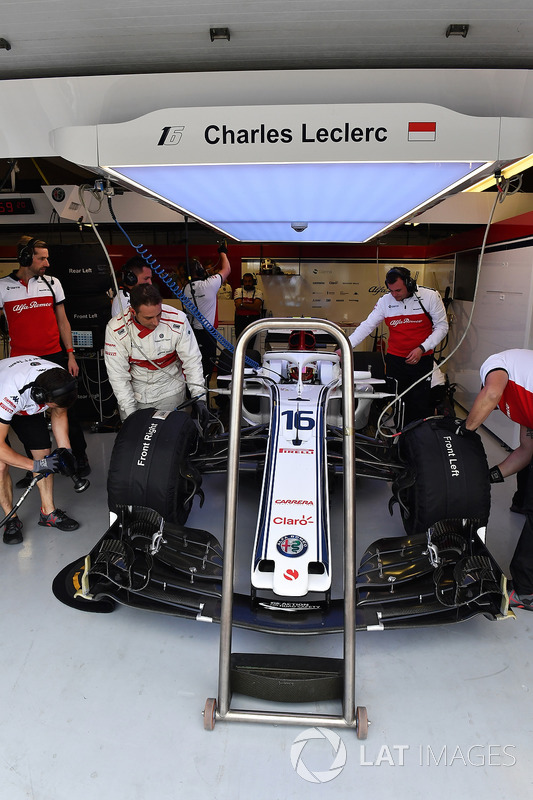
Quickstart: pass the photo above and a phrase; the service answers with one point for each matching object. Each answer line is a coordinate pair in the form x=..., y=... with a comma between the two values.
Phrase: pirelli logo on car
x=294, y=450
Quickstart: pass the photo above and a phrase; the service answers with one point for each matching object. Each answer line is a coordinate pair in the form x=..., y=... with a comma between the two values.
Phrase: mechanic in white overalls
x=152, y=356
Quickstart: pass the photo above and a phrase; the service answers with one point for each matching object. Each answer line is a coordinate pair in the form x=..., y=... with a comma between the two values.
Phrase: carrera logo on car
x=295, y=502
x=291, y=546
x=290, y=521
x=293, y=450
x=451, y=456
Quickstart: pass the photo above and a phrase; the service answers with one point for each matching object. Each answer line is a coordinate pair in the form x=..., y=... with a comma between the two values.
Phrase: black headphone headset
x=25, y=256
x=198, y=269
x=42, y=396
x=401, y=272
x=129, y=278
x=254, y=279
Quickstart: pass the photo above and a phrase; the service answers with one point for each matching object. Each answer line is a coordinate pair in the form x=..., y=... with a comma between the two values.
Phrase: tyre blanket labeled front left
x=448, y=475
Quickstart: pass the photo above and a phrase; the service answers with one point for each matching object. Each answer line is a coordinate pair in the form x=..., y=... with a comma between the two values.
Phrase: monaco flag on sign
x=422, y=132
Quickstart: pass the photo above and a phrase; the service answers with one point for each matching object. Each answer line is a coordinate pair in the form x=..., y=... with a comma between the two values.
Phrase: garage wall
x=501, y=320
x=341, y=291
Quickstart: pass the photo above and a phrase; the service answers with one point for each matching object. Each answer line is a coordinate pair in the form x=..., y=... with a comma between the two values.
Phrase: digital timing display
x=15, y=206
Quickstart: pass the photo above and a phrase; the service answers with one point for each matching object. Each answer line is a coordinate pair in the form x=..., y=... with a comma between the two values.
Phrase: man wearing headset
x=34, y=308
x=152, y=356
x=28, y=386
x=417, y=322
x=135, y=271
x=202, y=289
x=248, y=305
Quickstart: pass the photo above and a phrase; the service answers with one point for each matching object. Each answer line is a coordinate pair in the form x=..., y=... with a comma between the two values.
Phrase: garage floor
x=110, y=705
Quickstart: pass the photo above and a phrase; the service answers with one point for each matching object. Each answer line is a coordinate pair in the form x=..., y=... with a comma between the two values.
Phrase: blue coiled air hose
x=175, y=289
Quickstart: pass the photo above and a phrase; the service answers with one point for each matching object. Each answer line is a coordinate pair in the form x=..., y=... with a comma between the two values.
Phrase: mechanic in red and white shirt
x=33, y=304
x=152, y=356
x=507, y=380
x=417, y=323
x=28, y=386
x=248, y=302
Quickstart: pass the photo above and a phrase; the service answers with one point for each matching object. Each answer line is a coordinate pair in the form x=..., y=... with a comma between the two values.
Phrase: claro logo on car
x=451, y=456
x=145, y=446
x=263, y=134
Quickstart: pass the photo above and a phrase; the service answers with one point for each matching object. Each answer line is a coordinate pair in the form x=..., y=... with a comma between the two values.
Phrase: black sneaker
x=58, y=519
x=25, y=481
x=83, y=467
x=12, y=531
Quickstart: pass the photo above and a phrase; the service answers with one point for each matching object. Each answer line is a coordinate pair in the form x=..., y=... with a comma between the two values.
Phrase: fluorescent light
x=341, y=202
x=252, y=171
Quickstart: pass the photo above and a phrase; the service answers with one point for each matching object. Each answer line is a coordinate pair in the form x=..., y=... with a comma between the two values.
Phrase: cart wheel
x=361, y=721
x=210, y=712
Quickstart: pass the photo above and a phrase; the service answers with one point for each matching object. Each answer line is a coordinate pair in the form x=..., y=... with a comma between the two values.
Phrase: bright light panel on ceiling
x=340, y=202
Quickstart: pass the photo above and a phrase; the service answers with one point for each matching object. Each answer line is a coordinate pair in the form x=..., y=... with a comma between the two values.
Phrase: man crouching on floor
x=28, y=387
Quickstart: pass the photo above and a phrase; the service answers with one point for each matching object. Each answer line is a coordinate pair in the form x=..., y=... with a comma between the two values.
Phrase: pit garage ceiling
x=52, y=38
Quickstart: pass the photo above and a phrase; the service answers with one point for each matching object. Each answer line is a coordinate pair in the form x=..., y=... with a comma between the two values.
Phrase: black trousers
x=418, y=399
x=241, y=322
x=208, y=349
x=522, y=561
x=522, y=478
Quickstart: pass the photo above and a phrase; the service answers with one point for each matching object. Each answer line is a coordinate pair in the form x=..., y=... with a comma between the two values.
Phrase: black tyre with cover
x=447, y=476
x=150, y=463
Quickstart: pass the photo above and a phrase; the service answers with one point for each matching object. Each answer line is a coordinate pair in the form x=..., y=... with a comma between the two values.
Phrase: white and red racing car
x=292, y=435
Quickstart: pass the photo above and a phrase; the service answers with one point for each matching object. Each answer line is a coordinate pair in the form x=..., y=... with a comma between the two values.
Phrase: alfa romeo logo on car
x=291, y=546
